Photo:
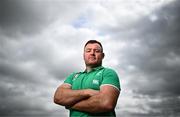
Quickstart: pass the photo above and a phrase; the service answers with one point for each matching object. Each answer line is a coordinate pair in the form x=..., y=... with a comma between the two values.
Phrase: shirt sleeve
x=69, y=79
x=111, y=78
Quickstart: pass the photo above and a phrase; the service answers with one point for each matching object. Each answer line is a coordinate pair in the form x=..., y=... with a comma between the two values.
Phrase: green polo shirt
x=94, y=79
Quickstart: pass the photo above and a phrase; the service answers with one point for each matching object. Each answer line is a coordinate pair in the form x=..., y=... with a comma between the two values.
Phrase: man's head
x=93, y=53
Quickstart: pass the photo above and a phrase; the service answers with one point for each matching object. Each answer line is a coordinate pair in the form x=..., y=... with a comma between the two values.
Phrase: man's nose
x=92, y=52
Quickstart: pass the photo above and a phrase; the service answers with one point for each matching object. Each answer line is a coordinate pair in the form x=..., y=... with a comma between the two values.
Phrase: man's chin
x=93, y=64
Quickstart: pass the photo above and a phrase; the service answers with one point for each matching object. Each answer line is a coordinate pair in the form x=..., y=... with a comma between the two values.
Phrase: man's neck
x=89, y=68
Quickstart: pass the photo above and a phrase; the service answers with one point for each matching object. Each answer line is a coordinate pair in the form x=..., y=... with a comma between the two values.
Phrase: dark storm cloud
x=21, y=90
x=22, y=17
x=153, y=50
x=23, y=97
x=152, y=60
x=30, y=68
x=24, y=80
x=28, y=71
x=19, y=16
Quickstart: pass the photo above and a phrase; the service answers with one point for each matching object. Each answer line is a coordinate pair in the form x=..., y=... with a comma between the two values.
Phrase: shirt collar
x=94, y=69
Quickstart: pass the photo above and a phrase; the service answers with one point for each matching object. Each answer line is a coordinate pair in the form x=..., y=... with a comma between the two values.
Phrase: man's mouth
x=92, y=58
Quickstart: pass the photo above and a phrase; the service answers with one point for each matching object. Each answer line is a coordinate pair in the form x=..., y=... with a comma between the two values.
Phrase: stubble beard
x=93, y=65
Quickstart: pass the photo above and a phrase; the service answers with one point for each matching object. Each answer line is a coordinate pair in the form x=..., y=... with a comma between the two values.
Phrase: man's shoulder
x=108, y=69
x=75, y=73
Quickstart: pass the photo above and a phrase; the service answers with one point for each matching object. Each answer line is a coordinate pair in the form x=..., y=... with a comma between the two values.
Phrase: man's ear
x=103, y=55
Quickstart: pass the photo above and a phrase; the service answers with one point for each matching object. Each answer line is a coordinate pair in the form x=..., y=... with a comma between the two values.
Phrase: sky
x=41, y=43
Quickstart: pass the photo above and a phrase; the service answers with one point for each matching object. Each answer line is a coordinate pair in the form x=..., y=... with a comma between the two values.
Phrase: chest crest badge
x=96, y=82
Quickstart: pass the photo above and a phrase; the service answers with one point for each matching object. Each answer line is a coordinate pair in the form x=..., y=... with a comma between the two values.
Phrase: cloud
x=150, y=62
x=40, y=39
x=160, y=43
x=20, y=17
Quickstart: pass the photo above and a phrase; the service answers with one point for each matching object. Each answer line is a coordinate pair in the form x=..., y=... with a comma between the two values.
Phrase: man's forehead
x=93, y=45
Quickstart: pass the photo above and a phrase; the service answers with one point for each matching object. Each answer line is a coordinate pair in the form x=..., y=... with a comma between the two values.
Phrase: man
x=93, y=92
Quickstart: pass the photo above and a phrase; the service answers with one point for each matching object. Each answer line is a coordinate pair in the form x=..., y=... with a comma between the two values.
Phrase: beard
x=93, y=64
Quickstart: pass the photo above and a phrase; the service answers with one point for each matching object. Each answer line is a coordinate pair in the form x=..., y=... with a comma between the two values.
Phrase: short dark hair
x=93, y=41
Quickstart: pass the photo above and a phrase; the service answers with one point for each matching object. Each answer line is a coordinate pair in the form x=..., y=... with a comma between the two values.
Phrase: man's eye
x=98, y=51
x=88, y=50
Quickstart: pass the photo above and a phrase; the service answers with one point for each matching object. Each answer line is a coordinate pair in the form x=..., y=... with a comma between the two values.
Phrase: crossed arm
x=87, y=100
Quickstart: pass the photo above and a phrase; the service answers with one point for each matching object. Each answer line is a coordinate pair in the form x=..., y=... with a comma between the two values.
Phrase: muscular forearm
x=105, y=101
x=94, y=104
x=68, y=97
